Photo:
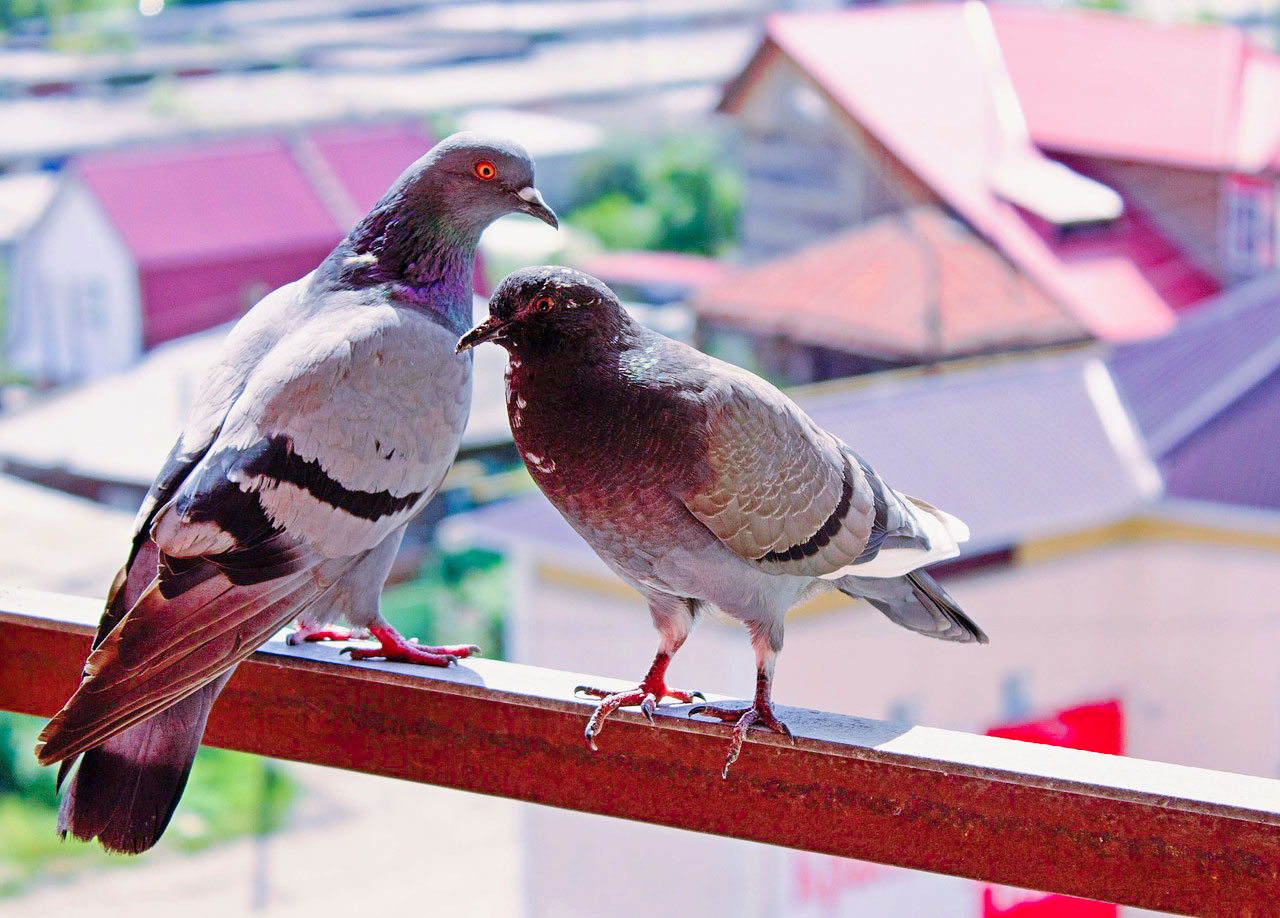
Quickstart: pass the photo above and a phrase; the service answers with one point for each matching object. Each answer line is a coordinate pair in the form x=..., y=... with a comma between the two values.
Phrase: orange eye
x=486, y=170
x=543, y=304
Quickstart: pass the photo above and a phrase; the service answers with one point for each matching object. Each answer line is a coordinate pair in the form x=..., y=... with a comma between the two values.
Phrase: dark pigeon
x=701, y=484
x=329, y=422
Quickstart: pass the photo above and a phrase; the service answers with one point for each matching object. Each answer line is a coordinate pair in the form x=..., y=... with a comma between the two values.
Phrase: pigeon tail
x=918, y=602
x=125, y=790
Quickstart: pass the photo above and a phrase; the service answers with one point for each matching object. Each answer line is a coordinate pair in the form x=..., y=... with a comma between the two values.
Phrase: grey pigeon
x=329, y=422
x=700, y=484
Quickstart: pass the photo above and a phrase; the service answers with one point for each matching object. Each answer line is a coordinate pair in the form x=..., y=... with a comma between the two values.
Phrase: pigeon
x=330, y=420
x=702, y=485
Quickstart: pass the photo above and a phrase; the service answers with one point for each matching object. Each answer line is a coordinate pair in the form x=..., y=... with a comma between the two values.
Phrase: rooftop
x=951, y=92
x=916, y=285
x=254, y=194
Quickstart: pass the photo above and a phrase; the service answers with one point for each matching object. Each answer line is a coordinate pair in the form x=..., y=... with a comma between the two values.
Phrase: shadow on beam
x=1123, y=830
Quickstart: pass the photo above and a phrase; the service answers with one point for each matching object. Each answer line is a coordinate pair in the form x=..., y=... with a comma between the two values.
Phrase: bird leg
x=651, y=690
x=307, y=633
x=395, y=648
x=743, y=718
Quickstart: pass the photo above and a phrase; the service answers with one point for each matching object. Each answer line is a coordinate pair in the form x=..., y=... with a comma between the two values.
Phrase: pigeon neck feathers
x=428, y=261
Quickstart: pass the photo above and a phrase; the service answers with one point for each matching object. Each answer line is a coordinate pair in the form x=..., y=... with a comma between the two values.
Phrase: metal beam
x=1140, y=833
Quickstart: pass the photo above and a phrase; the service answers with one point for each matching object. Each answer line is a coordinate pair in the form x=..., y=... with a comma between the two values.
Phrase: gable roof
x=916, y=285
x=930, y=83
x=1176, y=383
x=220, y=200
x=1207, y=397
x=1018, y=449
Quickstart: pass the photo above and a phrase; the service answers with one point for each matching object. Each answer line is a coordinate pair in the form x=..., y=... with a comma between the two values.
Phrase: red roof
x=923, y=81
x=214, y=225
x=915, y=286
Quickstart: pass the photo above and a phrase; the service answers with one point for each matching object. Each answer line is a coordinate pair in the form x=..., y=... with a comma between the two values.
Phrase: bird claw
x=394, y=648
x=647, y=696
x=743, y=719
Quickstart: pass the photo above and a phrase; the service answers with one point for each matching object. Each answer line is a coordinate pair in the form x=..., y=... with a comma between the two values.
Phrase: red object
x=1093, y=727
x=915, y=285
x=1005, y=902
x=514, y=731
x=918, y=80
x=213, y=226
x=395, y=648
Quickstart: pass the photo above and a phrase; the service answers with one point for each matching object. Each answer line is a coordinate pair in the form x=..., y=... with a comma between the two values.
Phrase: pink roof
x=368, y=158
x=913, y=286
x=190, y=203
x=214, y=225
x=221, y=199
x=920, y=80
x=1115, y=86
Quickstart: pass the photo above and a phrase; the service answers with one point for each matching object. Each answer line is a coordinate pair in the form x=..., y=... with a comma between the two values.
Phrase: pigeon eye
x=543, y=304
x=486, y=170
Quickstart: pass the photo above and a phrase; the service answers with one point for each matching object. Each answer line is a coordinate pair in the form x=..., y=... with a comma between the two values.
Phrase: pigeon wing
x=785, y=494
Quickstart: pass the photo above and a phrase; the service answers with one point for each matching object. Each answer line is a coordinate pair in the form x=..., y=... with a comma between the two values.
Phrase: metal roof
x=950, y=92
x=1176, y=383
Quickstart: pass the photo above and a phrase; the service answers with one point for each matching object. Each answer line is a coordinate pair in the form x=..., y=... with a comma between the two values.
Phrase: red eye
x=543, y=304
x=486, y=170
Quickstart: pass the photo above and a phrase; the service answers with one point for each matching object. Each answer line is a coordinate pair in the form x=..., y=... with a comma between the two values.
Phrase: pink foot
x=396, y=649
x=647, y=695
x=759, y=714
x=307, y=634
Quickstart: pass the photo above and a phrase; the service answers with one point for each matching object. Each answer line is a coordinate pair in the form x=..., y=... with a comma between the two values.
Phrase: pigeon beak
x=487, y=330
x=531, y=203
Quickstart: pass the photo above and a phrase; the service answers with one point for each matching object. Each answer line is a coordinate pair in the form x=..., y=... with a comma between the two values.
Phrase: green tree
x=682, y=196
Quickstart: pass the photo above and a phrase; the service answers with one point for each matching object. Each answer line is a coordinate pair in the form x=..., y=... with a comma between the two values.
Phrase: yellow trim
x=1145, y=529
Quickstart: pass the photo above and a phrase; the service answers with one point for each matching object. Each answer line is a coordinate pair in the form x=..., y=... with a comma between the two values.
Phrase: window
x=1249, y=225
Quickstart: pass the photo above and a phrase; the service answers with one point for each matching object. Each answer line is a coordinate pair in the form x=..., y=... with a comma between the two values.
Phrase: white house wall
x=75, y=310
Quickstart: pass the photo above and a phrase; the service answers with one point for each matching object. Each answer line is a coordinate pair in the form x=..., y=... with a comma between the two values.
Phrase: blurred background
x=1021, y=256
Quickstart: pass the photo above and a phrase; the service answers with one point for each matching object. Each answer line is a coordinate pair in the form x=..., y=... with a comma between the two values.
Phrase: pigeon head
x=458, y=188
x=470, y=180
x=549, y=309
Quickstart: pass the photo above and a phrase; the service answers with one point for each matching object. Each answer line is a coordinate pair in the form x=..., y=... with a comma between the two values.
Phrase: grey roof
x=52, y=541
x=1018, y=449
x=1176, y=383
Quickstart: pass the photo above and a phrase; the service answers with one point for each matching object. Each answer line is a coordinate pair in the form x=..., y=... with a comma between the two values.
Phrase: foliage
x=681, y=196
x=230, y=794
x=457, y=598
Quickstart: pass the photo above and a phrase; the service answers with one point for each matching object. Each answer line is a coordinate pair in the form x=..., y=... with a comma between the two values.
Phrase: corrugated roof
x=1018, y=450
x=208, y=202
x=213, y=201
x=1233, y=458
x=1176, y=383
x=923, y=81
x=1207, y=397
x=916, y=285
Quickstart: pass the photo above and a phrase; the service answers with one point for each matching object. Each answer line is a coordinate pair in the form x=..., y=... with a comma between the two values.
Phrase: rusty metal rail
x=1140, y=833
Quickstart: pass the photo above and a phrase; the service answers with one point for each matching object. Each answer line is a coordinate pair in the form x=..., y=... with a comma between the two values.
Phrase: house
x=1092, y=588
x=907, y=288
x=1125, y=170
x=1207, y=398
x=144, y=245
